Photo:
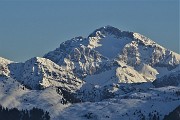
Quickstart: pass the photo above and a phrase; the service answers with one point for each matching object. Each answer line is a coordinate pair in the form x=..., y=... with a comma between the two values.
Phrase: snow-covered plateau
x=109, y=75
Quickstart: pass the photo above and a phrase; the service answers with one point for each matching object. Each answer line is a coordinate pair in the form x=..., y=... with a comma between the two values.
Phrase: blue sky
x=33, y=28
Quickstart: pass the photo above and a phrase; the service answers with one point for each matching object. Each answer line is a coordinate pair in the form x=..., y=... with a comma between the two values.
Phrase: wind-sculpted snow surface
x=108, y=75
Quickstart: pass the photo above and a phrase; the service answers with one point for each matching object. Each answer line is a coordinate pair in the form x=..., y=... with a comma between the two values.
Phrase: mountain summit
x=109, y=30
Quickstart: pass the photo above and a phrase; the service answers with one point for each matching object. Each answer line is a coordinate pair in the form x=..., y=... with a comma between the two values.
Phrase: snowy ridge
x=38, y=73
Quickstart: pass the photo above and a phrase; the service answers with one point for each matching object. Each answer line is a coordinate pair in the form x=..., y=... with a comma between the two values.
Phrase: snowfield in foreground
x=142, y=102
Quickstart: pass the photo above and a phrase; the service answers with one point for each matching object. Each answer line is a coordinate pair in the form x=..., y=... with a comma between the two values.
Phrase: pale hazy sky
x=33, y=28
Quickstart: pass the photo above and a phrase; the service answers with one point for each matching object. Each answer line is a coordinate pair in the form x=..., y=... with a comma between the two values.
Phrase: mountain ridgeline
x=93, y=69
x=126, y=57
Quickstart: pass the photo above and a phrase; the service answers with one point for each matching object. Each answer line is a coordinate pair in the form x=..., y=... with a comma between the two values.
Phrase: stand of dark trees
x=67, y=96
x=15, y=114
x=174, y=115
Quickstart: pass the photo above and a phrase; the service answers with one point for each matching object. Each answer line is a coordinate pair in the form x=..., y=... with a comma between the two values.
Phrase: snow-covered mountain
x=110, y=70
x=140, y=58
x=39, y=73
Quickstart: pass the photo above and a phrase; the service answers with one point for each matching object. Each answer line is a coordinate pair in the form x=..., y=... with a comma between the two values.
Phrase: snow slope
x=14, y=94
x=137, y=101
x=135, y=106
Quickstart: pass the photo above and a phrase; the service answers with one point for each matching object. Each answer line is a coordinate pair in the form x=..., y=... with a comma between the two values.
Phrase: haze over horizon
x=33, y=28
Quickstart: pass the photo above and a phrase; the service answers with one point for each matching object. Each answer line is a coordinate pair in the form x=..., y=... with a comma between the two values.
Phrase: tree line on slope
x=174, y=115
x=15, y=114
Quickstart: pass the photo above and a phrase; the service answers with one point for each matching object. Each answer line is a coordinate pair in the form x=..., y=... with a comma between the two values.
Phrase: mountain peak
x=105, y=30
x=110, y=30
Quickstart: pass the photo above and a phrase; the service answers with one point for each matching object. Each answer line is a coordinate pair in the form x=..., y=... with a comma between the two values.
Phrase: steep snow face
x=109, y=46
x=38, y=73
x=104, y=78
x=109, y=41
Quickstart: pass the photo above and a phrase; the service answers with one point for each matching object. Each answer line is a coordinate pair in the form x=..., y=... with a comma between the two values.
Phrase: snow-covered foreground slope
x=107, y=75
x=13, y=94
x=132, y=101
x=120, y=109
